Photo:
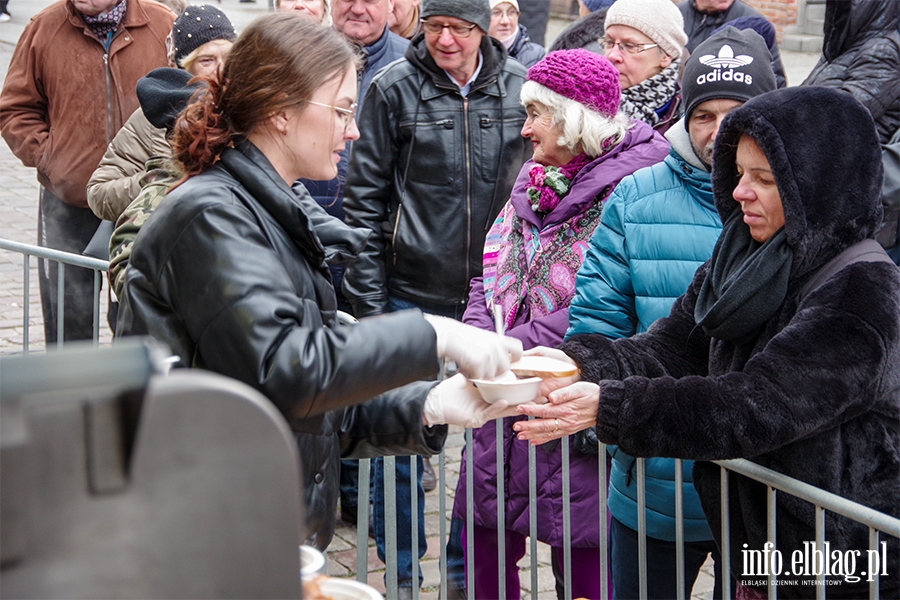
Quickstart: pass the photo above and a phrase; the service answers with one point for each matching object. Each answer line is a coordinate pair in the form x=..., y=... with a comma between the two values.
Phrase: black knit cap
x=163, y=93
x=473, y=11
x=198, y=25
x=733, y=64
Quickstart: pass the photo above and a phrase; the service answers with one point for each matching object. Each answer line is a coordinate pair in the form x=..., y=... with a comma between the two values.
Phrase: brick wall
x=782, y=13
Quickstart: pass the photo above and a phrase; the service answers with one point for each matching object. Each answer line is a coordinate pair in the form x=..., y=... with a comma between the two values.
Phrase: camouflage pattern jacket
x=160, y=176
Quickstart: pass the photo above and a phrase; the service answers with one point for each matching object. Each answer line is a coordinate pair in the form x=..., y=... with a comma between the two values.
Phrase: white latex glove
x=455, y=401
x=478, y=354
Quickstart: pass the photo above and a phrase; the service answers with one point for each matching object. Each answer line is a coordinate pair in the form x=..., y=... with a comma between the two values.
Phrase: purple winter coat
x=641, y=147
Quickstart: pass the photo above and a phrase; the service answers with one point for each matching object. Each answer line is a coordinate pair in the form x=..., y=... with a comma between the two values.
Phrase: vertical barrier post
x=567, y=520
x=642, y=529
x=362, y=520
x=501, y=512
x=390, y=526
x=726, y=538
x=679, y=530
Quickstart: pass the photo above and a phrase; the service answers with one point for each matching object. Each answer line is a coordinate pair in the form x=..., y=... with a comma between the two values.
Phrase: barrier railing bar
x=827, y=500
x=771, y=531
x=820, y=544
x=390, y=525
x=679, y=530
x=642, y=529
x=501, y=511
x=60, y=303
x=442, y=507
x=414, y=522
x=725, y=551
x=362, y=521
x=874, y=592
x=26, y=301
x=604, y=560
x=470, y=518
x=567, y=520
x=75, y=260
x=96, y=313
x=532, y=516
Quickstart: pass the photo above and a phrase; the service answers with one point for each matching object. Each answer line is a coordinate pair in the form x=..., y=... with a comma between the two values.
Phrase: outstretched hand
x=455, y=401
x=571, y=409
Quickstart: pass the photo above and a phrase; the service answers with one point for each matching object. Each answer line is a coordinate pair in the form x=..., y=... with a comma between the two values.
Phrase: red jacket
x=65, y=97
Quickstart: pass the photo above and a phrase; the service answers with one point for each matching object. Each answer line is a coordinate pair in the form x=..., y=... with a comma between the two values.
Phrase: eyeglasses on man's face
x=347, y=115
x=626, y=47
x=459, y=30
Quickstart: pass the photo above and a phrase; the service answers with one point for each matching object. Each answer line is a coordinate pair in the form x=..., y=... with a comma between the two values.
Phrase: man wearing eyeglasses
x=439, y=152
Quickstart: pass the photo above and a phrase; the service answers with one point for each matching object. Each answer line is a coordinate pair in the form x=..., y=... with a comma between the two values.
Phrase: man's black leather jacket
x=429, y=174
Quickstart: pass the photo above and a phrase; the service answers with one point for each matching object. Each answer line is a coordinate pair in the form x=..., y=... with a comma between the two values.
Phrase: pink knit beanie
x=582, y=76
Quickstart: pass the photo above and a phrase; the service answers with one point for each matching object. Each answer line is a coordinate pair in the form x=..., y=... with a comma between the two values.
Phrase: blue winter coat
x=657, y=228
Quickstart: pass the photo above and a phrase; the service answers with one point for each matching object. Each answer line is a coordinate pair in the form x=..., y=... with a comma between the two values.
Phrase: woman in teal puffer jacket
x=658, y=227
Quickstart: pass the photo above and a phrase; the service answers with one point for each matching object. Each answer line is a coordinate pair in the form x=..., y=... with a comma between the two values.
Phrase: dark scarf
x=642, y=101
x=105, y=23
x=746, y=283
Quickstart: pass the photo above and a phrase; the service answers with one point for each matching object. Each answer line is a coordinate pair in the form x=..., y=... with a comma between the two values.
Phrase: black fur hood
x=824, y=153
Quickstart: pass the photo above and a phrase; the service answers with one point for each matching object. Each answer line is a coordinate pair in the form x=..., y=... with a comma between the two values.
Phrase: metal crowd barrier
x=62, y=258
x=877, y=522
x=823, y=501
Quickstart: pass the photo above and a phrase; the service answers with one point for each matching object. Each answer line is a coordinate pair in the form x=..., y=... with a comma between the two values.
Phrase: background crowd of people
x=425, y=166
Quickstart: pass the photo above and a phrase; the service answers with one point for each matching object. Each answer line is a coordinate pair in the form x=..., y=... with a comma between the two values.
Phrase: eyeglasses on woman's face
x=457, y=30
x=347, y=115
x=626, y=47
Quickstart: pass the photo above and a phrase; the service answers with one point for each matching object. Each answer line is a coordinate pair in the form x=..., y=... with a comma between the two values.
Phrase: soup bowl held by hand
x=507, y=386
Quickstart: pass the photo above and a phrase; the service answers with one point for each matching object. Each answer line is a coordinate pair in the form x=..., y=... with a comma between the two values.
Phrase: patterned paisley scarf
x=641, y=101
x=524, y=262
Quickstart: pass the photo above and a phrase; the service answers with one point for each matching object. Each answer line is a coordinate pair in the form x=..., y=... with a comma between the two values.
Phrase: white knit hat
x=515, y=4
x=659, y=20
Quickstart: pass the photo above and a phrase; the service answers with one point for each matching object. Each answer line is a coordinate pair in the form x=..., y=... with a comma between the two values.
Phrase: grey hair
x=583, y=129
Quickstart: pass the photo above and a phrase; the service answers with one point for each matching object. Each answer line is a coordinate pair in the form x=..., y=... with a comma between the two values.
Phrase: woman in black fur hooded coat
x=743, y=367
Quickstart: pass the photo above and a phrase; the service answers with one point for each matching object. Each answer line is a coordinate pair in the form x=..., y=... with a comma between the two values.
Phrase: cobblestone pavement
x=18, y=222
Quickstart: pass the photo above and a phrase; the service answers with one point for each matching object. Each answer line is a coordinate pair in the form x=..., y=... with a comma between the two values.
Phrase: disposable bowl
x=507, y=387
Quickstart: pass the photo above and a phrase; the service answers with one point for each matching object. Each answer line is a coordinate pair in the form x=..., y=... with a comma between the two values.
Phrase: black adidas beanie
x=733, y=64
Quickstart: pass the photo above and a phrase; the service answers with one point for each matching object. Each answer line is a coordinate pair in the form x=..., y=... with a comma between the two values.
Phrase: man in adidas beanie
x=665, y=216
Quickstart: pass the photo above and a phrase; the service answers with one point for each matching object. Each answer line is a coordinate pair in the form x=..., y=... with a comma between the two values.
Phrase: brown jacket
x=65, y=97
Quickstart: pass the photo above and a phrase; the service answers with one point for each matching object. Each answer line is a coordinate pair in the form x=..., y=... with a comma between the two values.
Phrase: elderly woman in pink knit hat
x=582, y=146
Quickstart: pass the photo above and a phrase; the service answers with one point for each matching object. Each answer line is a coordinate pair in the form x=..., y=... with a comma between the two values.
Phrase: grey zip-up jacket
x=429, y=174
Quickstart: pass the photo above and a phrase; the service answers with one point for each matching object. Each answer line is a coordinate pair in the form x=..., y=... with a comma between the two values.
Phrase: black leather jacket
x=861, y=55
x=230, y=274
x=429, y=175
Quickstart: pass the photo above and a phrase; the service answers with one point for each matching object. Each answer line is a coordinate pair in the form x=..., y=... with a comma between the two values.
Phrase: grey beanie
x=198, y=25
x=731, y=64
x=659, y=20
x=473, y=11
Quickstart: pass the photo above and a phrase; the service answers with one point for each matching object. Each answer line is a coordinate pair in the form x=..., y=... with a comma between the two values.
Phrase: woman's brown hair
x=278, y=62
